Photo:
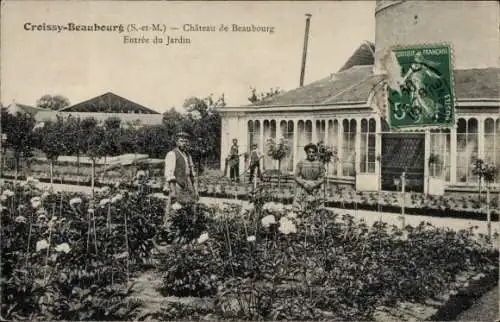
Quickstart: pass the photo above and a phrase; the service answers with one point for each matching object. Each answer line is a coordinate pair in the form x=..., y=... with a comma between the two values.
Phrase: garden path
x=145, y=288
x=369, y=217
x=484, y=309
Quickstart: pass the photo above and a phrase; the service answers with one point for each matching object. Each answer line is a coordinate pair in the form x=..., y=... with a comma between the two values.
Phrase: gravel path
x=369, y=217
x=484, y=309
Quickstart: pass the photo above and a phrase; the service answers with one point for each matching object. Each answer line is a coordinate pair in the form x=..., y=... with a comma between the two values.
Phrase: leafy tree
x=155, y=140
x=112, y=123
x=127, y=140
x=54, y=139
x=55, y=102
x=485, y=172
x=94, y=145
x=20, y=137
x=256, y=98
x=277, y=151
x=326, y=154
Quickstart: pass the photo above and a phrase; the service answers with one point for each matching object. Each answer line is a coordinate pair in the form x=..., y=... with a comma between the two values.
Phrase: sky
x=83, y=64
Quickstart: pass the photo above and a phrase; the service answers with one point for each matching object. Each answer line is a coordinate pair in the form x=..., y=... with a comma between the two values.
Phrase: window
x=367, y=146
x=333, y=131
x=286, y=129
x=492, y=144
x=439, y=165
x=253, y=133
x=269, y=132
x=349, y=150
x=304, y=137
x=320, y=130
x=467, y=149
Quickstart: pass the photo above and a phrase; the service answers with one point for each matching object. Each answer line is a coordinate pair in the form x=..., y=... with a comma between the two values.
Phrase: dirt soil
x=484, y=309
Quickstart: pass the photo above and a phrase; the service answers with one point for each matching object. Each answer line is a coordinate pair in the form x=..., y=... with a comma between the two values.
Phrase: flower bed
x=67, y=257
x=274, y=264
x=417, y=204
x=64, y=257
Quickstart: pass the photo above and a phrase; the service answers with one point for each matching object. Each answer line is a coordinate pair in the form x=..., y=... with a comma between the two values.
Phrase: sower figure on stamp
x=255, y=157
x=309, y=176
x=180, y=175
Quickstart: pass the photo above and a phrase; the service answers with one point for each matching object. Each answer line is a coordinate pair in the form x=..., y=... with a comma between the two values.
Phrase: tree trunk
x=428, y=180
x=488, y=214
x=92, y=180
x=325, y=184
x=2, y=160
x=51, y=163
x=279, y=173
x=480, y=182
x=16, y=169
x=78, y=166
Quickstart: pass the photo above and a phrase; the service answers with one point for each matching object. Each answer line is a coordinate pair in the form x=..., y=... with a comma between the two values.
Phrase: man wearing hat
x=179, y=172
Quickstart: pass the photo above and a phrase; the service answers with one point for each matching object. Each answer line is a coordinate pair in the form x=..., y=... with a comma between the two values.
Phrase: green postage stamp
x=420, y=87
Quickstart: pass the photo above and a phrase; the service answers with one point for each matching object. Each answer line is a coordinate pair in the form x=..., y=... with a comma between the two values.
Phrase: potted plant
x=326, y=154
x=433, y=161
x=277, y=151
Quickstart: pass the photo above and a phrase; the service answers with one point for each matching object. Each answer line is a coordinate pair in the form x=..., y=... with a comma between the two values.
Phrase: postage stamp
x=420, y=86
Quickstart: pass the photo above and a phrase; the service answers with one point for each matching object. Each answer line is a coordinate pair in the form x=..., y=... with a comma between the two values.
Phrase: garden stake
x=29, y=239
x=126, y=245
x=403, y=183
x=88, y=231
x=95, y=233
x=60, y=206
x=108, y=219
x=488, y=214
x=48, y=251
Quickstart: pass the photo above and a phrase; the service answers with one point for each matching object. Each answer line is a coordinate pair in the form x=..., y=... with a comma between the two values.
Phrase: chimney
x=304, y=52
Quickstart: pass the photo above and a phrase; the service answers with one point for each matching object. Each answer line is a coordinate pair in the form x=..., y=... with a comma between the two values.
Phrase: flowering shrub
x=57, y=248
x=326, y=153
x=261, y=260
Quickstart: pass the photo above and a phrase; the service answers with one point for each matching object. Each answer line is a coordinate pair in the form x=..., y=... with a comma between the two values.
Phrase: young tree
x=256, y=98
x=94, y=146
x=112, y=123
x=55, y=102
x=277, y=151
x=486, y=172
x=326, y=154
x=19, y=135
x=53, y=139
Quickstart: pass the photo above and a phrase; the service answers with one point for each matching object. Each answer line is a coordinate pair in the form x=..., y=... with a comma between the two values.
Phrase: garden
x=68, y=256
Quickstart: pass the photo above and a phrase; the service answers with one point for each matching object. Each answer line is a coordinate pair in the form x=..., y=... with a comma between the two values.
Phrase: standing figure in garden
x=179, y=173
x=234, y=162
x=255, y=157
x=309, y=176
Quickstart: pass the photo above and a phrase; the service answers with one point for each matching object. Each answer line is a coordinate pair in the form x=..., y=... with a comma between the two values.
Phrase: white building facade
x=347, y=109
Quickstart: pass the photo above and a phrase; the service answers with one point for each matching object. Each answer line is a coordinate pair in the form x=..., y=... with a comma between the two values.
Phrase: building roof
x=109, y=103
x=477, y=83
x=23, y=108
x=363, y=56
x=348, y=86
x=355, y=84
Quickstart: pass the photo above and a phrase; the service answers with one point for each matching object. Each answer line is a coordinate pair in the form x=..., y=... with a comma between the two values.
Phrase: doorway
x=403, y=152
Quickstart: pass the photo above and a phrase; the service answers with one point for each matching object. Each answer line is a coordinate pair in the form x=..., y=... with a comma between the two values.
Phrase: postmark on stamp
x=420, y=86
